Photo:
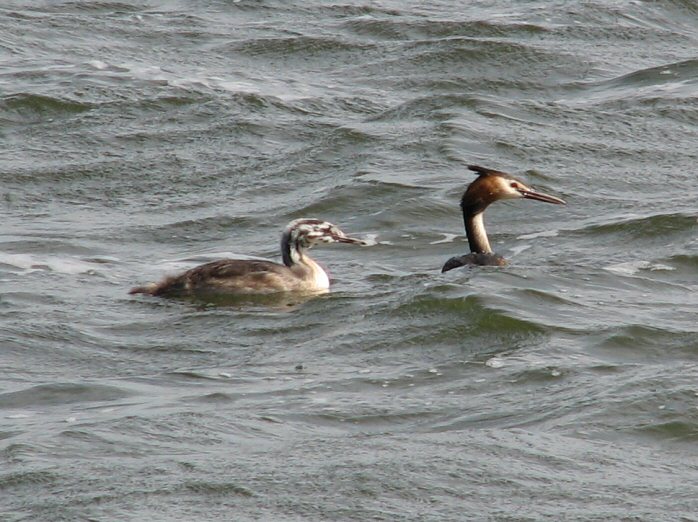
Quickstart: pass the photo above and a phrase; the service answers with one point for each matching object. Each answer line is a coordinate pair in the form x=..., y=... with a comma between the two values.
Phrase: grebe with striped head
x=299, y=273
x=490, y=186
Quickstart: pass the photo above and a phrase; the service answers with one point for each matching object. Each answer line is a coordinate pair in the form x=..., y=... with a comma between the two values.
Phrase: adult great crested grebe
x=299, y=273
x=490, y=186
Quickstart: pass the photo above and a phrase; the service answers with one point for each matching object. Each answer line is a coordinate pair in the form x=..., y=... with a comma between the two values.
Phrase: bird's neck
x=303, y=266
x=312, y=273
x=475, y=230
x=291, y=251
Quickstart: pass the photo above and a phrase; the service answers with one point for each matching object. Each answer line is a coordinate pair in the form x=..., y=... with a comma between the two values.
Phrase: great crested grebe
x=299, y=273
x=490, y=186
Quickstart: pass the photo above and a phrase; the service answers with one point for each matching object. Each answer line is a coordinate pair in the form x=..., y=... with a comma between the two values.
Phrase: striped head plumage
x=303, y=233
x=307, y=232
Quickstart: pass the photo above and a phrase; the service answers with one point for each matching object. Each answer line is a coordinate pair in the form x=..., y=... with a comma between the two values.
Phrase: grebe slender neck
x=490, y=186
x=475, y=231
x=293, y=247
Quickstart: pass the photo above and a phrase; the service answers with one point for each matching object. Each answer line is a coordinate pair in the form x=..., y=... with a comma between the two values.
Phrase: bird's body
x=474, y=259
x=299, y=273
x=490, y=186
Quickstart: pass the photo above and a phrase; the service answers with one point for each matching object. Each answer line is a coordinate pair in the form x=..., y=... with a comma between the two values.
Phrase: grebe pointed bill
x=488, y=187
x=298, y=273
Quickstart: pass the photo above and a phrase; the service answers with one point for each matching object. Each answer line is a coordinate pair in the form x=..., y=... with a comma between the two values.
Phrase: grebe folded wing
x=474, y=259
x=214, y=275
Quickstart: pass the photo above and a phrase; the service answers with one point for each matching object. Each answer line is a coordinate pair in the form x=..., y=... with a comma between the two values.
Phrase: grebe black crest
x=299, y=273
x=490, y=186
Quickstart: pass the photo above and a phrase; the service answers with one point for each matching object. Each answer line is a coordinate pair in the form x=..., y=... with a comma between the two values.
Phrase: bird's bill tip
x=350, y=240
x=540, y=196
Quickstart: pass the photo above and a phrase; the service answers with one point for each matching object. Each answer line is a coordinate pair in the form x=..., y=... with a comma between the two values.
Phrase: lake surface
x=140, y=138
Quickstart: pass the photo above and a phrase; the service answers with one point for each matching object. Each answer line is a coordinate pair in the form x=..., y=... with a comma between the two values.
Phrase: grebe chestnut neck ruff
x=490, y=186
x=299, y=273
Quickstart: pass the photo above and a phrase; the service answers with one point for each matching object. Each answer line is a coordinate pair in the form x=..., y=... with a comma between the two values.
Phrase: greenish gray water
x=141, y=138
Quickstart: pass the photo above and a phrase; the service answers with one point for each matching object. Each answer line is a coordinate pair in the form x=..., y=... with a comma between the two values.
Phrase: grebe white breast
x=298, y=273
x=490, y=186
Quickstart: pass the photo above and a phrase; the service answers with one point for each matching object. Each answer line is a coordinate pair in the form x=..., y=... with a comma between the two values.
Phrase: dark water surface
x=139, y=138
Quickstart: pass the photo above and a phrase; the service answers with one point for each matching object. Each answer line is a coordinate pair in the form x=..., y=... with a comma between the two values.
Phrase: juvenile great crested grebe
x=299, y=273
x=490, y=186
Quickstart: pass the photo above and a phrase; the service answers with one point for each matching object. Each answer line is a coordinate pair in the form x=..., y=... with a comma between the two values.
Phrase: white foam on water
x=544, y=233
x=517, y=249
x=98, y=64
x=370, y=240
x=19, y=416
x=63, y=265
x=630, y=268
x=494, y=362
x=448, y=238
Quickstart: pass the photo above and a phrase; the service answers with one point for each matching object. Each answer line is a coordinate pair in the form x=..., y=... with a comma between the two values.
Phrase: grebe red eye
x=514, y=184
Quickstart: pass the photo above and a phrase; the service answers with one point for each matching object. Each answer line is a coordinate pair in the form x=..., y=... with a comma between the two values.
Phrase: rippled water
x=141, y=138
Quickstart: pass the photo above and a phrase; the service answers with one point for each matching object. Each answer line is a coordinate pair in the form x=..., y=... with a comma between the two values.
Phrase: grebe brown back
x=490, y=186
x=299, y=273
